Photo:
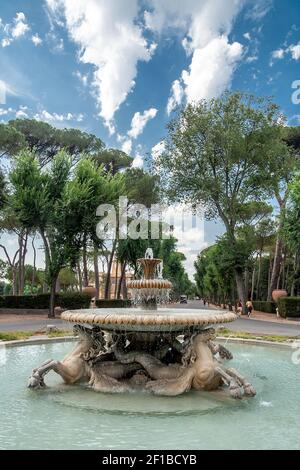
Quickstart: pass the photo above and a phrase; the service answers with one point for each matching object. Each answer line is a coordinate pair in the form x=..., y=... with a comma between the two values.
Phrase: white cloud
x=176, y=97
x=22, y=112
x=20, y=26
x=205, y=25
x=278, y=54
x=5, y=42
x=295, y=51
x=83, y=78
x=138, y=161
x=251, y=58
x=247, y=36
x=157, y=150
x=44, y=115
x=139, y=121
x=15, y=30
x=110, y=39
x=37, y=41
x=211, y=70
x=127, y=146
x=260, y=9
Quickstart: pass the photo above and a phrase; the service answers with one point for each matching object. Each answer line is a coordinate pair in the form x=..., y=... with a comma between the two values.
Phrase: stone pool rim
x=66, y=339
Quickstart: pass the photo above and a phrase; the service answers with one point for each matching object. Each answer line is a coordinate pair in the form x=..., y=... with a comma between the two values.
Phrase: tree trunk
x=258, y=278
x=110, y=261
x=34, y=264
x=116, y=279
x=96, y=271
x=238, y=273
x=52, y=297
x=246, y=282
x=79, y=277
x=85, y=280
x=276, y=267
x=123, y=269
x=253, y=281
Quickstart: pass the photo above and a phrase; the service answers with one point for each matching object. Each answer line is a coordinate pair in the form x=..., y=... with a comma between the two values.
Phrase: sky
x=121, y=68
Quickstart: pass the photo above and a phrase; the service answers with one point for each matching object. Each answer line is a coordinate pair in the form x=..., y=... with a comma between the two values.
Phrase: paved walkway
x=259, y=323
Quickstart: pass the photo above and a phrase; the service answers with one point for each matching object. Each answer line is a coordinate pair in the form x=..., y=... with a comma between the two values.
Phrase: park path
x=258, y=324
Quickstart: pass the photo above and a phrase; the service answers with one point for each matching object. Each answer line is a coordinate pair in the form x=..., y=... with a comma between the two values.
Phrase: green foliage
x=72, y=300
x=289, y=307
x=46, y=141
x=113, y=303
x=112, y=160
x=40, y=301
x=11, y=140
x=264, y=306
x=66, y=300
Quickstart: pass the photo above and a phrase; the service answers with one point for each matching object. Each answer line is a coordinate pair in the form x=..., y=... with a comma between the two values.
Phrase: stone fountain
x=160, y=350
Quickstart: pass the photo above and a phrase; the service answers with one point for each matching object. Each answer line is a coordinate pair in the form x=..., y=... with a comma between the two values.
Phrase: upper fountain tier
x=152, y=288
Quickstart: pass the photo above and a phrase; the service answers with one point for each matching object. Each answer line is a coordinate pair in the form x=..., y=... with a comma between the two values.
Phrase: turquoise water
x=62, y=417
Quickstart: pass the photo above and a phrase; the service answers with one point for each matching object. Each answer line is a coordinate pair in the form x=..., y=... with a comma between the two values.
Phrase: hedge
x=264, y=306
x=289, y=307
x=113, y=303
x=68, y=300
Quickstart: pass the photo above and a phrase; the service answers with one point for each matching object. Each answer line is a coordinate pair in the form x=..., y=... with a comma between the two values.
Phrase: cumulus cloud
x=138, y=161
x=45, y=115
x=37, y=41
x=205, y=25
x=110, y=39
x=176, y=97
x=20, y=26
x=278, y=54
x=14, y=30
x=293, y=50
x=127, y=146
x=83, y=78
x=139, y=121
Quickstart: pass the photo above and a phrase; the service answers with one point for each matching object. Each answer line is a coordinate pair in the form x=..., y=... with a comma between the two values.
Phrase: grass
x=21, y=335
x=244, y=335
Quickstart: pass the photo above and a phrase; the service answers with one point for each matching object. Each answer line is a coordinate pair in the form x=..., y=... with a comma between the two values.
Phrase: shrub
x=40, y=301
x=73, y=300
x=289, y=307
x=263, y=306
x=66, y=300
x=113, y=303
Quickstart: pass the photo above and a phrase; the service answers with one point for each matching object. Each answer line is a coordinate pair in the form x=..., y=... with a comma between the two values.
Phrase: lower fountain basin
x=137, y=319
x=64, y=417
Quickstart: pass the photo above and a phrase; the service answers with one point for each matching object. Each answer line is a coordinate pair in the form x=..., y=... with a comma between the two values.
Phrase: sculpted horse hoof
x=235, y=391
x=249, y=390
x=36, y=381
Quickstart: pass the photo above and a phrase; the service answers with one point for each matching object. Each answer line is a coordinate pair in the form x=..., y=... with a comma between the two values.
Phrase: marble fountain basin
x=137, y=319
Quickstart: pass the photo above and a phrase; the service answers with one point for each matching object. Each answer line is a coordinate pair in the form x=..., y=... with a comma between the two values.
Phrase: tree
x=46, y=141
x=279, y=171
x=292, y=229
x=49, y=202
x=113, y=160
x=11, y=140
x=215, y=153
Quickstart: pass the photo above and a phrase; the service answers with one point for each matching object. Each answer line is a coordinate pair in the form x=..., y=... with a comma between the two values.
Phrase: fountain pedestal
x=164, y=351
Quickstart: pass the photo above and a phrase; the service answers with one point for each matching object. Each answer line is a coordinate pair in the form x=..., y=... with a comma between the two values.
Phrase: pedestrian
x=239, y=309
x=249, y=307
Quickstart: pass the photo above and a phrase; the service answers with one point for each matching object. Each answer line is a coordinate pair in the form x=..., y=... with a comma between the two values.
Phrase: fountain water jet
x=161, y=350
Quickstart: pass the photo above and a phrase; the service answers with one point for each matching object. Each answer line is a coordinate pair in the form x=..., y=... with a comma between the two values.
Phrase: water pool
x=62, y=417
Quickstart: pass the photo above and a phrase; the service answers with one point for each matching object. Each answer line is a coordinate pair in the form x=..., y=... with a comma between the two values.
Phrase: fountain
x=160, y=350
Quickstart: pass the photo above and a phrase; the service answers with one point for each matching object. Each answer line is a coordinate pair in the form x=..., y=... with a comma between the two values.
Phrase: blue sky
x=119, y=69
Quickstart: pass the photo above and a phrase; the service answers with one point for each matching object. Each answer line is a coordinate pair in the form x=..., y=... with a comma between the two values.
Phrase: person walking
x=239, y=308
x=249, y=307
